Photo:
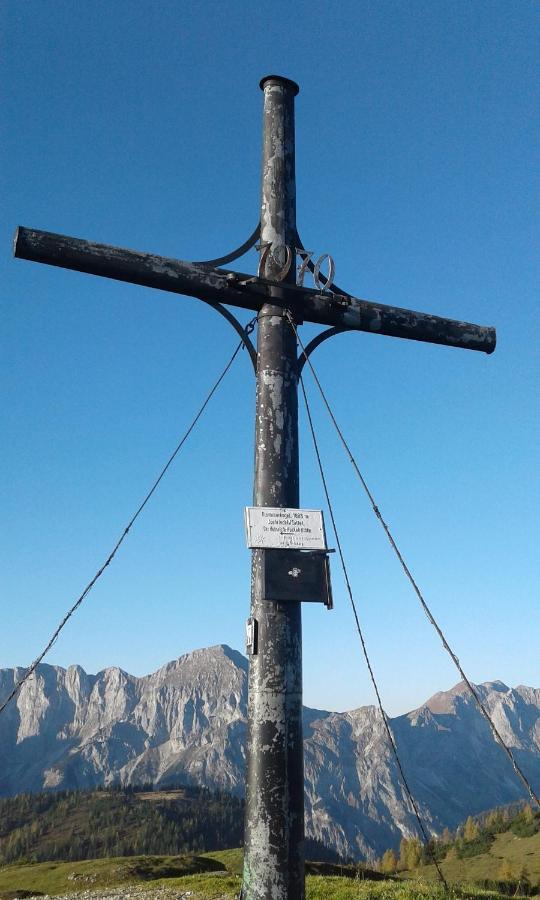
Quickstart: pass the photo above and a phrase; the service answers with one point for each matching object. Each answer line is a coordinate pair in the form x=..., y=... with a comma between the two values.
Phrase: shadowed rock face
x=187, y=722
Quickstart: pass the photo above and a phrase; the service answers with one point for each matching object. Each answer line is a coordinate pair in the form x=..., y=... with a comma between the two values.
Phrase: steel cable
x=472, y=689
x=389, y=733
x=31, y=669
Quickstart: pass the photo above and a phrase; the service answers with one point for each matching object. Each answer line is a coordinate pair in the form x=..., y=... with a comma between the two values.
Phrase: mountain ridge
x=187, y=721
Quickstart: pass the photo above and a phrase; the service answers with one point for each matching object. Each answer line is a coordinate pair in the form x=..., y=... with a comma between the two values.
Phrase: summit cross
x=274, y=819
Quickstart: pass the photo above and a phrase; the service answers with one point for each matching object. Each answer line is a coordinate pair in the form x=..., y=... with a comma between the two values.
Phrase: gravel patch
x=129, y=893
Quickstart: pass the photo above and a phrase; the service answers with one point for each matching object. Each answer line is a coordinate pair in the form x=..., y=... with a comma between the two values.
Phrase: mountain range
x=187, y=723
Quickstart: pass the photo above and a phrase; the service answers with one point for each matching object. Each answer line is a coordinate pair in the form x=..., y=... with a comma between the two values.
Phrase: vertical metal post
x=274, y=825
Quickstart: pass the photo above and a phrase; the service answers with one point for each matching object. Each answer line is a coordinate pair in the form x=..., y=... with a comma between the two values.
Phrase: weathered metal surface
x=377, y=318
x=174, y=275
x=296, y=576
x=240, y=289
x=274, y=829
x=350, y=313
x=137, y=268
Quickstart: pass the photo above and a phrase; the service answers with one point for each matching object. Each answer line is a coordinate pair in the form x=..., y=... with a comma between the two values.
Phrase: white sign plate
x=301, y=529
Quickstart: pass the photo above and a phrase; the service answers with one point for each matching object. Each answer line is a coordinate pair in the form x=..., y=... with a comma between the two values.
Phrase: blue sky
x=139, y=124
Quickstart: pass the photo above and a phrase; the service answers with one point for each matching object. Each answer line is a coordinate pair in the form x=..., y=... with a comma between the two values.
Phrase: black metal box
x=297, y=576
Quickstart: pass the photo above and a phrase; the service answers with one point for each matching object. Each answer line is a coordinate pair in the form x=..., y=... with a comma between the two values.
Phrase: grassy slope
x=147, y=872
x=517, y=850
x=233, y=860
x=188, y=872
x=60, y=877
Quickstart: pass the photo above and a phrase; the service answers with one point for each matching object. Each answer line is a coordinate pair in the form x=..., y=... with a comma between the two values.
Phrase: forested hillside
x=499, y=849
x=116, y=822
x=74, y=825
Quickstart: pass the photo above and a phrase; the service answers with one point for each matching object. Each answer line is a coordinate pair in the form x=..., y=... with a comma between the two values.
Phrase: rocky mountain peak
x=187, y=723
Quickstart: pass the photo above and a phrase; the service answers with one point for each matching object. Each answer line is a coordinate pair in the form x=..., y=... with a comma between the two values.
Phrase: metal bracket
x=252, y=636
x=234, y=254
x=313, y=344
x=222, y=261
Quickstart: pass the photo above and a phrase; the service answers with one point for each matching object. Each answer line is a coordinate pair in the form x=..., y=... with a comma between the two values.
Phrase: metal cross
x=274, y=824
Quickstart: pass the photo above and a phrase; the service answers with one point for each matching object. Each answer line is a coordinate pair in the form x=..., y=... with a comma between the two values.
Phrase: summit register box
x=295, y=565
x=297, y=576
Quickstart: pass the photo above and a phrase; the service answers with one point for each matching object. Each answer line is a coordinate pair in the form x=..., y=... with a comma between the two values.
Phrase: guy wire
x=472, y=689
x=31, y=669
x=384, y=717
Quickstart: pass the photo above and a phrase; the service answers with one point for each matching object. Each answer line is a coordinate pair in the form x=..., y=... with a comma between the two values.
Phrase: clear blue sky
x=139, y=124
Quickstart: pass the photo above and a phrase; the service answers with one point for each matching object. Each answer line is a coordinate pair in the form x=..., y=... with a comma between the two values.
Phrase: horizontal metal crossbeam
x=247, y=292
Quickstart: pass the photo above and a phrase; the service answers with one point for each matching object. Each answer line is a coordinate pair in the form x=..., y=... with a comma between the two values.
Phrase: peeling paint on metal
x=274, y=833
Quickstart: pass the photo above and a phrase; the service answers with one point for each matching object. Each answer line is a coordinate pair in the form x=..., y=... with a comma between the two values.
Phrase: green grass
x=233, y=860
x=210, y=886
x=344, y=889
x=61, y=877
x=517, y=851
x=221, y=879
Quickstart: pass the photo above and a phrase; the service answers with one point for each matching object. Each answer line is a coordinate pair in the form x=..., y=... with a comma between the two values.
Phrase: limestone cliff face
x=187, y=721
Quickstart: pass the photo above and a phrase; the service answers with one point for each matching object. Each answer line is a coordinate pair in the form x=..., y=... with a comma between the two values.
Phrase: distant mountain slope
x=187, y=722
x=72, y=825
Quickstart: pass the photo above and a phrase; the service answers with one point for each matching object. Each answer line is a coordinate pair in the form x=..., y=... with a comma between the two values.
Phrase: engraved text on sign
x=301, y=529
